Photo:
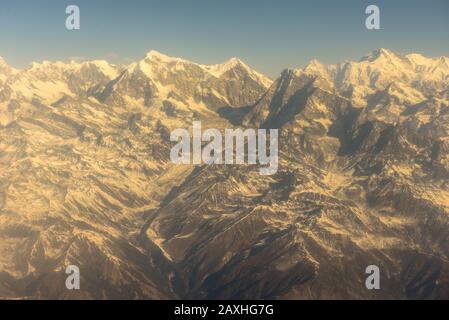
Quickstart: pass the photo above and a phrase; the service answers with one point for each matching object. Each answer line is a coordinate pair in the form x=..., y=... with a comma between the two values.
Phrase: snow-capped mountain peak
x=218, y=70
x=232, y=63
x=109, y=70
x=157, y=56
x=379, y=54
x=419, y=60
x=5, y=69
x=154, y=63
x=316, y=67
x=381, y=67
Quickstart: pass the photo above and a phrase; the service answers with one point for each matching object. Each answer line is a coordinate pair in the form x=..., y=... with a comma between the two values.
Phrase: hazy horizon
x=269, y=36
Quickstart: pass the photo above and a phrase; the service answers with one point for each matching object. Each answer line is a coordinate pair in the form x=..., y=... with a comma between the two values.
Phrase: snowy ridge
x=217, y=70
x=381, y=67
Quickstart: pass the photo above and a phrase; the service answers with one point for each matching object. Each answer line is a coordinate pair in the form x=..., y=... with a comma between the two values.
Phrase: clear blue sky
x=268, y=35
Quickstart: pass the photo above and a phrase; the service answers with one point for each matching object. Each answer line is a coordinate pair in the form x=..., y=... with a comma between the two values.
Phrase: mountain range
x=86, y=179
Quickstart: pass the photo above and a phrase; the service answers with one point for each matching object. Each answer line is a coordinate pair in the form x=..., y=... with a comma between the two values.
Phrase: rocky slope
x=85, y=179
x=84, y=159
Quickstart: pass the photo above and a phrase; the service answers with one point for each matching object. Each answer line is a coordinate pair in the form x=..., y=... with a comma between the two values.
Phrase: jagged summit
x=419, y=59
x=220, y=68
x=316, y=67
x=232, y=63
x=380, y=68
x=379, y=53
x=154, y=62
x=48, y=63
x=235, y=63
x=314, y=63
x=355, y=78
x=6, y=70
x=157, y=56
x=4, y=65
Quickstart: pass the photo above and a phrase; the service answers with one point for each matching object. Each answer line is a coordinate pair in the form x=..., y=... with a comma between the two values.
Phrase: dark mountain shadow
x=234, y=115
x=342, y=130
x=295, y=104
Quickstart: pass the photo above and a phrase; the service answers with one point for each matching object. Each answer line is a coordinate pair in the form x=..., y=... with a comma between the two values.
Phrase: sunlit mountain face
x=363, y=179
